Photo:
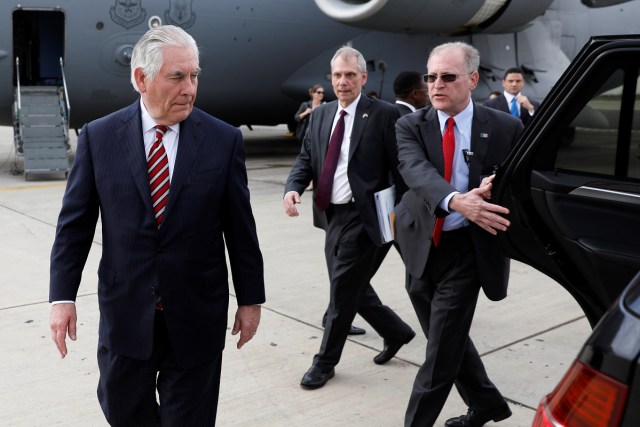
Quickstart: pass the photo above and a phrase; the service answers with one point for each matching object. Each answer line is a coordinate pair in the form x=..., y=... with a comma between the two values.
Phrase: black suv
x=573, y=188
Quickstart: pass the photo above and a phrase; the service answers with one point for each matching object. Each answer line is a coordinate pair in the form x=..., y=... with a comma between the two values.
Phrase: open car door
x=573, y=182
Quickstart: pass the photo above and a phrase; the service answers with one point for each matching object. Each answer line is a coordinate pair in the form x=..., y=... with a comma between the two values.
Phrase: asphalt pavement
x=526, y=341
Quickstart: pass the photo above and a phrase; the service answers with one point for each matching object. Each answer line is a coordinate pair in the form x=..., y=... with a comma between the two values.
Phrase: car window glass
x=592, y=137
x=634, y=147
x=591, y=142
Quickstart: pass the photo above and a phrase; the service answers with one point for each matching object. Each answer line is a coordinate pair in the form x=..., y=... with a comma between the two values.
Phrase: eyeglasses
x=447, y=77
x=319, y=91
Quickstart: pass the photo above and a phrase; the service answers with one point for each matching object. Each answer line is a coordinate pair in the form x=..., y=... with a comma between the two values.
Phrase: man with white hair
x=170, y=185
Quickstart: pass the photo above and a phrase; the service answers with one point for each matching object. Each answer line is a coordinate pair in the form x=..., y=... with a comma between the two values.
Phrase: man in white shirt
x=358, y=133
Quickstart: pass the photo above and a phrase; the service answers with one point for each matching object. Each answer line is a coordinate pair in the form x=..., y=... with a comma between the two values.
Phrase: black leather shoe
x=479, y=418
x=315, y=378
x=390, y=349
x=353, y=330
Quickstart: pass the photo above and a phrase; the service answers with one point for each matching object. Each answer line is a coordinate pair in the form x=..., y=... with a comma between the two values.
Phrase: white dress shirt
x=460, y=171
x=406, y=104
x=341, y=191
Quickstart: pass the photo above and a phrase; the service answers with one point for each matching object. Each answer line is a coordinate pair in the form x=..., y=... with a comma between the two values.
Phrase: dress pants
x=445, y=300
x=127, y=387
x=352, y=260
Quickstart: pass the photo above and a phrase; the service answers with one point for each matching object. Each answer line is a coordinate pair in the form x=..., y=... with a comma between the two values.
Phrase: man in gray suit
x=347, y=171
x=170, y=186
x=445, y=227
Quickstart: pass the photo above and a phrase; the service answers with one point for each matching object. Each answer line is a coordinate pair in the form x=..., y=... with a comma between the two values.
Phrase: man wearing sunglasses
x=512, y=100
x=445, y=226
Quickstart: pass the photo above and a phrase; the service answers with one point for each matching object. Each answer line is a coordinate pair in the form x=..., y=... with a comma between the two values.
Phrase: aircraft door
x=38, y=40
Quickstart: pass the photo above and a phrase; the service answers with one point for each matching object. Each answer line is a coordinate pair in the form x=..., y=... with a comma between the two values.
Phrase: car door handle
x=606, y=194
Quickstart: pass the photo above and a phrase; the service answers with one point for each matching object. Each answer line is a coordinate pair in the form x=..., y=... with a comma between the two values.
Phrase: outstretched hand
x=472, y=205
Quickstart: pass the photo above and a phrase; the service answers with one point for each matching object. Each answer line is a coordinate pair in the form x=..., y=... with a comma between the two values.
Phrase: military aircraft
x=259, y=57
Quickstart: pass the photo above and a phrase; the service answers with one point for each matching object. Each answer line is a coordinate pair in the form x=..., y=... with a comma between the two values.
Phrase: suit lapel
x=480, y=137
x=130, y=141
x=363, y=109
x=190, y=139
x=504, y=105
x=325, y=129
x=432, y=135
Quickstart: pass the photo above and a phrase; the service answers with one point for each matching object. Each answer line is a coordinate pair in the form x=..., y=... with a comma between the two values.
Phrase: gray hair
x=148, y=52
x=346, y=53
x=471, y=54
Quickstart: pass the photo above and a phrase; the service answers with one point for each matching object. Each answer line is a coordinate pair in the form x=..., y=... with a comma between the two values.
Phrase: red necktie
x=448, y=148
x=158, y=168
x=325, y=183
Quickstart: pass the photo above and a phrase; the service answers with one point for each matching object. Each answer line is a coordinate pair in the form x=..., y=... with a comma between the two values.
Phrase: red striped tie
x=158, y=168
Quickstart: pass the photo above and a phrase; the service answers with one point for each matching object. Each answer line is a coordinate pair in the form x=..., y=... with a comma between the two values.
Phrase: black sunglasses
x=319, y=91
x=447, y=77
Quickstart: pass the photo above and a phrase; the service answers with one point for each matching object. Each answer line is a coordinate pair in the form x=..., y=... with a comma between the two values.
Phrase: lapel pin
x=365, y=115
x=484, y=135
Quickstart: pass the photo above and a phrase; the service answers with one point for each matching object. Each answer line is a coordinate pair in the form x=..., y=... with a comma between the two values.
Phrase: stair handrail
x=67, y=111
x=18, y=82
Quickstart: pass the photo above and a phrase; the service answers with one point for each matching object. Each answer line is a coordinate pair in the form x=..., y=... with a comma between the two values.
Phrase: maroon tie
x=448, y=148
x=325, y=183
x=158, y=168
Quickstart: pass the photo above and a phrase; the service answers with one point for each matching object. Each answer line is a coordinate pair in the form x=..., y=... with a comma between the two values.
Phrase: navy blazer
x=493, y=134
x=372, y=163
x=183, y=261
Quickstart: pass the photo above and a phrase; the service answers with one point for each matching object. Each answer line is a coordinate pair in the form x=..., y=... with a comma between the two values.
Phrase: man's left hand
x=247, y=321
x=472, y=206
x=525, y=103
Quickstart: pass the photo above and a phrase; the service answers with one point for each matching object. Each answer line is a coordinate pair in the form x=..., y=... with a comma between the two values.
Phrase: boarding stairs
x=41, y=129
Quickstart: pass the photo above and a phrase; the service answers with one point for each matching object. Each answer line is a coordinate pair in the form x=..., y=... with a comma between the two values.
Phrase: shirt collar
x=411, y=107
x=148, y=123
x=351, y=108
x=509, y=97
x=463, y=118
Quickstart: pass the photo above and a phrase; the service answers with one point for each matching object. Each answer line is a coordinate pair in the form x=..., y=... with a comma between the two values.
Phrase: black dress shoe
x=479, y=418
x=353, y=330
x=315, y=378
x=390, y=349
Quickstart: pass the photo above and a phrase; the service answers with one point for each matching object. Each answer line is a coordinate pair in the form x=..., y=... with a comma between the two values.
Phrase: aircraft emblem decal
x=128, y=13
x=180, y=13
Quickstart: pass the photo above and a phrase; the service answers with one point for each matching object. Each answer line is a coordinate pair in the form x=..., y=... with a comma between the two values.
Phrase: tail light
x=583, y=398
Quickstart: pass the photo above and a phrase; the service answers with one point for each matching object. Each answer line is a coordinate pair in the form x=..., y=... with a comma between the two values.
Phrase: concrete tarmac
x=526, y=341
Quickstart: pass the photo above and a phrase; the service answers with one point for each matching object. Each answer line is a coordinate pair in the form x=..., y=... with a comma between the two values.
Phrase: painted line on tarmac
x=33, y=187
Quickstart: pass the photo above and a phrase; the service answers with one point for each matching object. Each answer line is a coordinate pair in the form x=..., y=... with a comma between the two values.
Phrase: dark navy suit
x=500, y=103
x=183, y=261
